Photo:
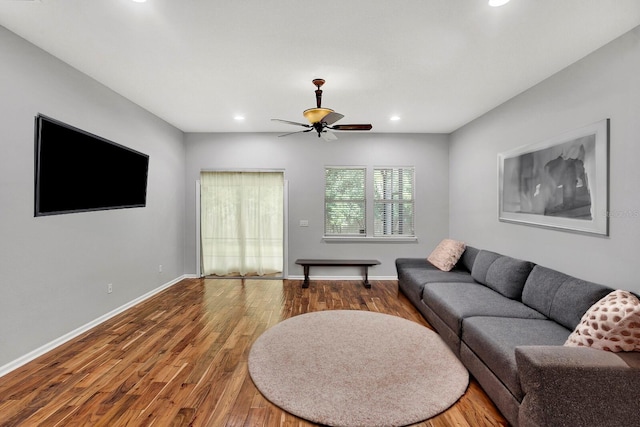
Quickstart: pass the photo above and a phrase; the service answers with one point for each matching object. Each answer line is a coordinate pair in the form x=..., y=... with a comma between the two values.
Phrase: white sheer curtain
x=241, y=222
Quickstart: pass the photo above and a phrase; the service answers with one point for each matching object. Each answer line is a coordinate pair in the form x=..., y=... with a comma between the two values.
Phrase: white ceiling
x=438, y=64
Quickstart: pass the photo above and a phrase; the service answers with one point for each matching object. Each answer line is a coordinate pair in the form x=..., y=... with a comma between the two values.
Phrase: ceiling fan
x=322, y=119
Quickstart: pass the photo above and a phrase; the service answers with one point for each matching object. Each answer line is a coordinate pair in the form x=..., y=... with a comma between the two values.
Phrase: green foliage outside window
x=345, y=201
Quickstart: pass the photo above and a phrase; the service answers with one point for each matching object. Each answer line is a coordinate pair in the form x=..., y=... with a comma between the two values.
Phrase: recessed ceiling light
x=394, y=118
x=238, y=118
x=496, y=3
x=139, y=1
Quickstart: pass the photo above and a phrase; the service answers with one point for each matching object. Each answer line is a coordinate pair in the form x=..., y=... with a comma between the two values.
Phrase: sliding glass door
x=242, y=223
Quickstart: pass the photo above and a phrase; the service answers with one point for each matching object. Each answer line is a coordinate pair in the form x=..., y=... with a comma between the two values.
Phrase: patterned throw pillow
x=611, y=324
x=446, y=254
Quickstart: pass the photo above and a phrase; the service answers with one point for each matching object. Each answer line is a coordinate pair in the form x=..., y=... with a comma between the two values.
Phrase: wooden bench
x=365, y=263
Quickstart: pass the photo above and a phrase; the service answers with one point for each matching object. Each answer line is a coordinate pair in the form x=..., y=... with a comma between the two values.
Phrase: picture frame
x=560, y=183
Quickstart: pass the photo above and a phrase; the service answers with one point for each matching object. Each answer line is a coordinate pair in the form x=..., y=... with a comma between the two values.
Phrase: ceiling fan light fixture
x=315, y=115
x=322, y=119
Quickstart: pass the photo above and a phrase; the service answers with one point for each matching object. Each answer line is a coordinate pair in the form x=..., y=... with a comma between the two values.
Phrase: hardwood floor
x=180, y=359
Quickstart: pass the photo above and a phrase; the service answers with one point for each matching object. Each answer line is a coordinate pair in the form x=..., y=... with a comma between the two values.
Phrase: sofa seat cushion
x=402, y=263
x=453, y=302
x=412, y=280
x=494, y=341
x=422, y=271
x=432, y=274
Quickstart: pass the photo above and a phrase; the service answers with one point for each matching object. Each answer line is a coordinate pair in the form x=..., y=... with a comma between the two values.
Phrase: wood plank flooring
x=180, y=359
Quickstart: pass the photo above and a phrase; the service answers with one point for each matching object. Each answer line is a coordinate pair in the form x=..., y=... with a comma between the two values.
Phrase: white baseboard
x=84, y=328
x=360, y=278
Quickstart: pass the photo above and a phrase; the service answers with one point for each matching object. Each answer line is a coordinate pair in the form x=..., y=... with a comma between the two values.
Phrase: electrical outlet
x=109, y=288
x=160, y=268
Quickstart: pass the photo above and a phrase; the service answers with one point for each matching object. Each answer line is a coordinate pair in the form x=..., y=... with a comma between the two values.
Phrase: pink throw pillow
x=611, y=324
x=446, y=254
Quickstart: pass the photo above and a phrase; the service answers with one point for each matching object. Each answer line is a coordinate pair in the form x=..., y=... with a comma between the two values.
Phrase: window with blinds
x=345, y=201
x=393, y=202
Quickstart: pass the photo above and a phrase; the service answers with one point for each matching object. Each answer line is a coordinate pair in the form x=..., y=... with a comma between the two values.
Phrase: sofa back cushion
x=468, y=258
x=481, y=265
x=501, y=273
x=561, y=297
x=508, y=275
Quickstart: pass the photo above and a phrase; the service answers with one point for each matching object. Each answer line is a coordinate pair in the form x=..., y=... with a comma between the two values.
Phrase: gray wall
x=54, y=270
x=605, y=84
x=303, y=158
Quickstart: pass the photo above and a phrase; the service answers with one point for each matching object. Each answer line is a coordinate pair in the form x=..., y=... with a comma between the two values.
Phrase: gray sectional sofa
x=507, y=320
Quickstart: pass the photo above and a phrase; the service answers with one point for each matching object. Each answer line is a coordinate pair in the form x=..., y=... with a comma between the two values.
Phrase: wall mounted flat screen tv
x=76, y=171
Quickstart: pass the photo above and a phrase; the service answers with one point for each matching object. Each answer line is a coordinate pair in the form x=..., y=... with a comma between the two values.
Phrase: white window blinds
x=393, y=202
x=345, y=201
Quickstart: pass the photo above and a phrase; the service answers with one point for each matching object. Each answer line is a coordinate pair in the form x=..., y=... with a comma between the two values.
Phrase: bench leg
x=305, y=284
x=366, y=277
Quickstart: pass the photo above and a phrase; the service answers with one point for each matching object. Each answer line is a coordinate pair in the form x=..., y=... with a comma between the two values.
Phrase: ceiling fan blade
x=352, y=127
x=332, y=117
x=300, y=131
x=291, y=123
x=328, y=136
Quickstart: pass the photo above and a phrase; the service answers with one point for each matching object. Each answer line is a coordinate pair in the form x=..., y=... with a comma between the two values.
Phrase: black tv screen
x=76, y=171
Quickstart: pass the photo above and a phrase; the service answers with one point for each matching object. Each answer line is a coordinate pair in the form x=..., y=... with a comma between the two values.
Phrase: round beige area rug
x=356, y=368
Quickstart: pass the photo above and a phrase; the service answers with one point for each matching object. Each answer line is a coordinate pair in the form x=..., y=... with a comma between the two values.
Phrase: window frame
x=364, y=202
x=369, y=236
x=392, y=201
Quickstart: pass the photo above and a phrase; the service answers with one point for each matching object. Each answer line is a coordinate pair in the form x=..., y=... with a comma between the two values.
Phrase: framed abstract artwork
x=559, y=183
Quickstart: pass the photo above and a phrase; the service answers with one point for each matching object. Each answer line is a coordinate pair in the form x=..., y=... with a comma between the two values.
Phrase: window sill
x=370, y=239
